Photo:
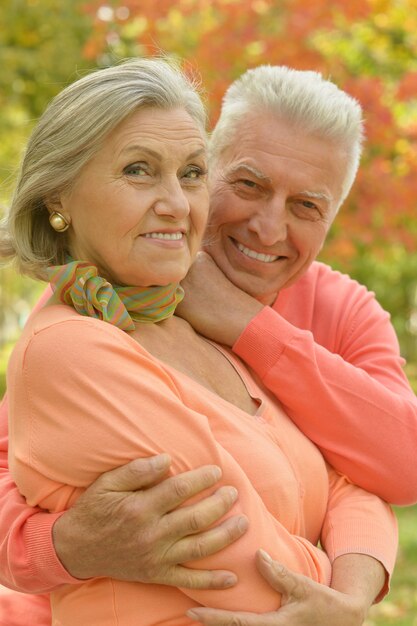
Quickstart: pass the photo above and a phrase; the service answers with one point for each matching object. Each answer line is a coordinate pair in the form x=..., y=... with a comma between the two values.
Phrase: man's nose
x=270, y=222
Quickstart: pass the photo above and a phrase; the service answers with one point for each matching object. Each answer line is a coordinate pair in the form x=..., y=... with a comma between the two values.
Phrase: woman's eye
x=194, y=172
x=136, y=169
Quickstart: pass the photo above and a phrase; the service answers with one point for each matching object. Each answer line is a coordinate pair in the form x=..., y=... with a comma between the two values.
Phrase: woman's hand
x=304, y=603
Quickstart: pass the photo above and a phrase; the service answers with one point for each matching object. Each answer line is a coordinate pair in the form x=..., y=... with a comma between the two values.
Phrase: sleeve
x=117, y=403
x=28, y=561
x=359, y=522
x=355, y=402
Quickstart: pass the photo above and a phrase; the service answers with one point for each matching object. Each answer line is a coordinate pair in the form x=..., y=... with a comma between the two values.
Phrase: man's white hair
x=304, y=99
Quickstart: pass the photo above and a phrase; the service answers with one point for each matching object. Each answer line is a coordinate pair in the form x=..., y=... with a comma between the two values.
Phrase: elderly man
x=285, y=152
x=282, y=163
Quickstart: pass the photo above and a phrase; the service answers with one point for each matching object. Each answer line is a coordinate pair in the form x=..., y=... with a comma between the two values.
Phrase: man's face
x=274, y=194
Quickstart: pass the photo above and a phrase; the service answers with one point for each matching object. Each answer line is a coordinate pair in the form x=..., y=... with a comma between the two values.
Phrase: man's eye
x=136, y=169
x=248, y=183
x=309, y=205
x=245, y=185
x=306, y=209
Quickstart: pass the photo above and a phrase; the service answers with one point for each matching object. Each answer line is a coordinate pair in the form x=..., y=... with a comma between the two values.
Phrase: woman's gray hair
x=304, y=99
x=69, y=134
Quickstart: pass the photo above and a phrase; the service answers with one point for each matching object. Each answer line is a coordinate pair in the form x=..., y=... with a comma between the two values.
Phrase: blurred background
x=368, y=47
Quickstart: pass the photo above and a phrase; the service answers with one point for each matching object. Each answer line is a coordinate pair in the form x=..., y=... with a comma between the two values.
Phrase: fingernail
x=243, y=524
x=233, y=493
x=217, y=472
x=230, y=581
x=161, y=461
x=265, y=556
x=192, y=614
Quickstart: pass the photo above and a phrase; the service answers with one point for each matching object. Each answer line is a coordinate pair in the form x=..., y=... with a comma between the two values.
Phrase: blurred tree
x=41, y=50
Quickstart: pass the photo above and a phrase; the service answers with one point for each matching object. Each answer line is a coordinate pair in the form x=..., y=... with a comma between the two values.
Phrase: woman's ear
x=59, y=218
x=54, y=204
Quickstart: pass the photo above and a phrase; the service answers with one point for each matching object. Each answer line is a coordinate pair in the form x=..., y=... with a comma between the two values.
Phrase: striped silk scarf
x=78, y=284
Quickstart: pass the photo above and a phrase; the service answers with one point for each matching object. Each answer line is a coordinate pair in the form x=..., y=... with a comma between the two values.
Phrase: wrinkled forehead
x=276, y=153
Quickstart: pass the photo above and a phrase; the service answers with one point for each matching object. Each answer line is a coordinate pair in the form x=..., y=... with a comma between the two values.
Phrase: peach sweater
x=116, y=402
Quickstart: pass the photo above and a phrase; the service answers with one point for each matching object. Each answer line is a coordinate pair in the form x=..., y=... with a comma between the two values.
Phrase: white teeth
x=169, y=236
x=265, y=258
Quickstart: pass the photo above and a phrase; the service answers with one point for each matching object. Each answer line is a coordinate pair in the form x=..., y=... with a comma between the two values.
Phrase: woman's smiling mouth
x=167, y=236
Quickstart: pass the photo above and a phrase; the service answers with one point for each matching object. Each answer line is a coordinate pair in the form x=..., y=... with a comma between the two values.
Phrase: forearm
x=27, y=557
x=32, y=563
x=361, y=576
x=359, y=524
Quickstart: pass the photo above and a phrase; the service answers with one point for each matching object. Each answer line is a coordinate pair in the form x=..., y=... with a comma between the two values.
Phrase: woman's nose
x=173, y=201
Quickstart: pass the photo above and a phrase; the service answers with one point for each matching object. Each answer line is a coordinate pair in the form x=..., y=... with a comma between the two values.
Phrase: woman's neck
x=175, y=342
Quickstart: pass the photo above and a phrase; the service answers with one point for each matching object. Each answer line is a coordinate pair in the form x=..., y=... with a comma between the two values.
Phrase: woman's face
x=139, y=208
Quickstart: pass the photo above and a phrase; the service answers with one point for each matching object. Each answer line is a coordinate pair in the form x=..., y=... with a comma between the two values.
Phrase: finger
x=289, y=584
x=204, y=544
x=135, y=475
x=186, y=578
x=174, y=491
x=217, y=617
x=199, y=516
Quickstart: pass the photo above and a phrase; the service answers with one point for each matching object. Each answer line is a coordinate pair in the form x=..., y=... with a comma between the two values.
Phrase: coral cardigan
x=98, y=377
x=328, y=336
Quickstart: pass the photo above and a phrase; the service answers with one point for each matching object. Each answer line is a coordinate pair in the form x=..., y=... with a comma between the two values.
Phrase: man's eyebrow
x=156, y=155
x=252, y=170
x=316, y=195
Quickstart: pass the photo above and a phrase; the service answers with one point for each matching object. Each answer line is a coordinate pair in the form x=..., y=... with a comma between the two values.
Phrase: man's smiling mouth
x=258, y=256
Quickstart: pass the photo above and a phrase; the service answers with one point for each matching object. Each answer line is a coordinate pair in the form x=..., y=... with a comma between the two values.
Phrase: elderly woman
x=110, y=207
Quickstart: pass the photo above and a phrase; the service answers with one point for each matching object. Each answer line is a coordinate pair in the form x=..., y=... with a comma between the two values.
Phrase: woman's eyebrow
x=197, y=153
x=144, y=149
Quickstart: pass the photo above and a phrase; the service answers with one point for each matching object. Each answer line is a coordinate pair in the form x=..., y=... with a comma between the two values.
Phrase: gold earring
x=58, y=222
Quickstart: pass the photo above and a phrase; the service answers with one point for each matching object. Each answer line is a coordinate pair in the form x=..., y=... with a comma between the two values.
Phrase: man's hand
x=127, y=527
x=303, y=603
x=214, y=306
